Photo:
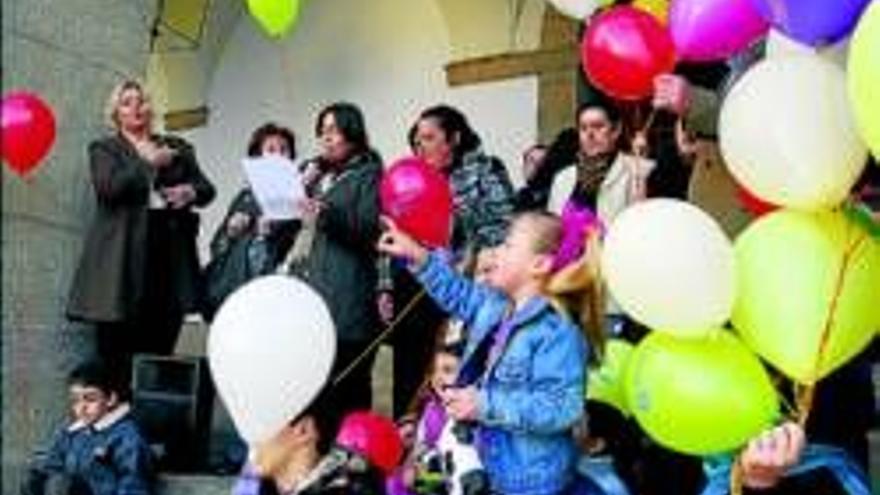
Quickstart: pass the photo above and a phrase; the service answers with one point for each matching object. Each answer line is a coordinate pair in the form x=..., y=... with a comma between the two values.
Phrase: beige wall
x=71, y=53
x=388, y=57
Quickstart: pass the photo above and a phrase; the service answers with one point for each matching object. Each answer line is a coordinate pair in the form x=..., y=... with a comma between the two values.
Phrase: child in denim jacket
x=523, y=369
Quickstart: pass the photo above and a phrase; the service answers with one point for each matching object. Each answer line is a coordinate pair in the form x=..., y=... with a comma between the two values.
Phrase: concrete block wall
x=71, y=52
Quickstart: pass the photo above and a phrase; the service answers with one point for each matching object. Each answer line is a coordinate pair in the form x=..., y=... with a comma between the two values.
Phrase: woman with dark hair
x=341, y=264
x=482, y=200
x=603, y=178
x=481, y=188
x=139, y=270
x=562, y=152
x=246, y=244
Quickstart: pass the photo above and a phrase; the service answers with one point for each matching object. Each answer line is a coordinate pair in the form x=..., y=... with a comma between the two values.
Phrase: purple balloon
x=705, y=30
x=813, y=22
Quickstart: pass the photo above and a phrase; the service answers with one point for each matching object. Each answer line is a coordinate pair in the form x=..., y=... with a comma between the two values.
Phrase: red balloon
x=417, y=197
x=755, y=205
x=623, y=50
x=28, y=131
x=374, y=437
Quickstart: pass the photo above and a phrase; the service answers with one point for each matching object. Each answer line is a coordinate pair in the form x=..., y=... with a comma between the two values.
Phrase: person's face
x=597, y=135
x=271, y=456
x=445, y=371
x=433, y=145
x=133, y=112
x=89, y=404
x=515, y=260
x=334, y=147
x=485, y=264
x=532, y=160
x=275, y=145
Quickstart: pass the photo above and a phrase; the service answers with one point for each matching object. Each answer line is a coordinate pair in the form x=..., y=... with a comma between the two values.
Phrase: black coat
x=342, y=263
x=111, y=280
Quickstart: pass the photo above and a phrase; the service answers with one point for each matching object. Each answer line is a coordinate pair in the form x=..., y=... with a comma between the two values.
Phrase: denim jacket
x=532, y=394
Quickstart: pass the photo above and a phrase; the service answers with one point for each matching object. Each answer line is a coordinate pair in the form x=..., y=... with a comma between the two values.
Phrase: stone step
x=187, y=484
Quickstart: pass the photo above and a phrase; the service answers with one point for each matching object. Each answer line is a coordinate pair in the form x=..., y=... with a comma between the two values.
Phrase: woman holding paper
x=139, y=271
x=341, y=265
x=247, y=244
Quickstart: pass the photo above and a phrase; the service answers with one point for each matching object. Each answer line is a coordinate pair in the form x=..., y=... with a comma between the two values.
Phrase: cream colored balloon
x=788, y=134
x=577, y=9
x=670, y=266
x=780, y=45
x=271, y=348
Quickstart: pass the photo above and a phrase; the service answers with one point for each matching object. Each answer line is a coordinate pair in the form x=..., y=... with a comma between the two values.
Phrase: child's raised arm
x=456, y=294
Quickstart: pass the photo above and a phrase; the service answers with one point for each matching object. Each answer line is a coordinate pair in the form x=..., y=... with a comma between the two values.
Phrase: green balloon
x=276, y=17
x=605, y=383
x=699, y=396
x=800, y=274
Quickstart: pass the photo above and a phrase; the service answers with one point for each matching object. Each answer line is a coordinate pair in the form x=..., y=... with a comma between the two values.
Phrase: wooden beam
x=510, y=65
x=181, y=120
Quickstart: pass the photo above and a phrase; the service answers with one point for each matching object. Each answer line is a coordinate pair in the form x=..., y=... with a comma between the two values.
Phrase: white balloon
x=270, y=348
x=576, y=9
x=780, y=45
x=788, y=134
x=670, y=266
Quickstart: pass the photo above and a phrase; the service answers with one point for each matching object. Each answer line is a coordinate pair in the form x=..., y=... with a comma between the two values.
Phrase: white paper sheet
x=277, y=185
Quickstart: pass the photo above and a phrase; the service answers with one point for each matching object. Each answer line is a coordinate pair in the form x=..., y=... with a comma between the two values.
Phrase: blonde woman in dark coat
x=139, y=270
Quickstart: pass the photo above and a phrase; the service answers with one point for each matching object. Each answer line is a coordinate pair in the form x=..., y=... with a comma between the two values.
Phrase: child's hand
x=767, y=457
x=461, y=404
x=398, y=244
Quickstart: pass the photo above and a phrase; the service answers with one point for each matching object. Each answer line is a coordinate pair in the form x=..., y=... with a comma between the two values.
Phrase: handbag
x=229, y=271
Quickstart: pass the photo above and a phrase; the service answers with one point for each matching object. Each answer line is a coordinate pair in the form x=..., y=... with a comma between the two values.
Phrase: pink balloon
x=417, y=197
x=374, y=437
x=706, y=30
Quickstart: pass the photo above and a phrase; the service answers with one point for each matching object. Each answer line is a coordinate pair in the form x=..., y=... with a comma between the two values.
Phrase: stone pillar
x=71, y=53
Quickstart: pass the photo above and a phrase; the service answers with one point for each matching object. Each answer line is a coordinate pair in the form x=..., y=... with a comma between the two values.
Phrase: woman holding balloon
x=139, y=270
x=341, y=265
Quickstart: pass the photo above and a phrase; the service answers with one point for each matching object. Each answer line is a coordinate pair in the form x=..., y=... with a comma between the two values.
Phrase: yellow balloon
x=804, y=279
x=276, y=17
x=699, y=396
x=657, y=8
x=605, y=383
x=864, y=76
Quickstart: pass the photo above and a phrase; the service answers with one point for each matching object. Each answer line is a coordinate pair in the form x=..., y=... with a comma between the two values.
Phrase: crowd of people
x=499, y=351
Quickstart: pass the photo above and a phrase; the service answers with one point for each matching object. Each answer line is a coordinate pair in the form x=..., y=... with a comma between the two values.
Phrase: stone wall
x=71, y=52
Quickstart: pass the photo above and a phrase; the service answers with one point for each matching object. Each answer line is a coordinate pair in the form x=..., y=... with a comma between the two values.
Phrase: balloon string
x=805, y=393
x=736, y=477
x=378, y=340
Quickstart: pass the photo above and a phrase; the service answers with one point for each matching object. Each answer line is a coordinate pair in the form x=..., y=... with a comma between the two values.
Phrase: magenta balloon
x=417, y=197
x=705, y=30
x=813, y=22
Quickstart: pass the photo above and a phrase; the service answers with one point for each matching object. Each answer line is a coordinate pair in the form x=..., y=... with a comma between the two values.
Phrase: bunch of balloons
x=670, y=266
x=799, y=287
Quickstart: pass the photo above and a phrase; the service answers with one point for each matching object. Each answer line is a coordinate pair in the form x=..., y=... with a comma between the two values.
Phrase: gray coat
x=110, y=281
x=342, y=263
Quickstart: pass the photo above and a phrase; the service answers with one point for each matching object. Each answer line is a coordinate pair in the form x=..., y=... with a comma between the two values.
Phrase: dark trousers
x=353, y=393
x=414, y=341
x=118, y=342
